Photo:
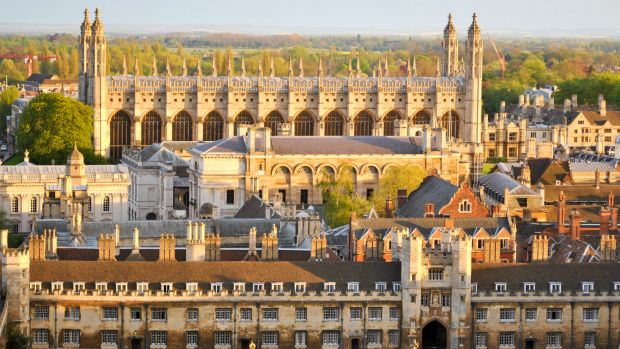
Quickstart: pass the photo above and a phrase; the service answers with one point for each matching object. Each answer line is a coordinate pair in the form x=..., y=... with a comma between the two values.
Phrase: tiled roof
x=425, y=225
x=499, y=181
x=433, y=189
x=343, y=145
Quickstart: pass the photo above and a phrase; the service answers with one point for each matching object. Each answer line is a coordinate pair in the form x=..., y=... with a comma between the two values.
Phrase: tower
x=449, y=50
x=473, y=84
x=83, y=59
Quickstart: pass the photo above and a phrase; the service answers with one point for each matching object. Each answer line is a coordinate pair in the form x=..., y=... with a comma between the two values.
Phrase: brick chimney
x=389, y=207
x=351, y=237
x=492, y=250
x=540, y=248
x=429, y=210
x=360, y=251
x=602, y=105
x=401, y=199
x=107, y=247
x=614, y=219
x=605, y=217
x=610, y=199
x=269, y=245
x=51, y=243
x=167, y=248
x=318, y=248
x=608, y=248
x=575, y=224
x=36, y=247
x=212, y=247
x=561, y=213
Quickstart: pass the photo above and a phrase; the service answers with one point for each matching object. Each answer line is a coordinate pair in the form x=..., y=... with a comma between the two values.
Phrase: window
x=507, y=314
x=580, y=122
x=301, y=314
x=512, y=152
x=191, y=287
x=166, y=287
x=71, y=336
x=555, y=287
x=142, y=287
x=40, y=336
x=394, y=337
x=500, y=287
x=481, y=315
x=590, y=338
x=136, y=314
x=33, y=205
x=270, y=314
x=216, y=287
x=101, y=286
x=89, y=204
x=192, y=314
x=330, y=337
x=395, y=286
x=301, y=338
x=529, y=287
x=394, y=313
x=329, y=287
x=303, y=196
x=57, y=286
x=353, y=287
x=512, y=136
x=246, y=314
x=465, y=206
x=491, y=136
x=616, y=286
x=374, y=337
x=106, y=204
x=78, y=287
x=300, y=287
x=375, y=313
x=159, y=314
x=269, y=338
x=223, y=314
x=590, y=314
x=435, y=274
x=507, y=338
x=239, y=287
x=424, y=299
x=14, y=205
x=331, y=313
x=230, y=197
x=356, y=313
x=445, y=300
x=554, y=315
x=491, y=153
x=191, y=338
x=110, y=313
x=108, y=337
x=587, y=287
x=530, y=314
x=42, y=312
x=72, y=313
x=480, y=339
x=257, y=287
x=380, y=286
x=276, y=287
x=474, y=288
x=159, y=338
x=223, y=338
x=554, y=339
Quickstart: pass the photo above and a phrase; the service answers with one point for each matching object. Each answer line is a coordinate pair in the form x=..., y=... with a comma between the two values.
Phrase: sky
x=406, y=17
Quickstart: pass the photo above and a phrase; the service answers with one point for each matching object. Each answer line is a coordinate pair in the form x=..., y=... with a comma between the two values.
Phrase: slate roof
x=158, y=152
x=255, y=207
x=433, y=189
x=592, y=166
x=582, y=193
x=343, y=145
x=39, y=77
x=497, y=181
x=234, y=144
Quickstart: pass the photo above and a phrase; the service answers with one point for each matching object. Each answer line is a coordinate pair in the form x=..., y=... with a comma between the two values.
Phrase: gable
x=453, y=207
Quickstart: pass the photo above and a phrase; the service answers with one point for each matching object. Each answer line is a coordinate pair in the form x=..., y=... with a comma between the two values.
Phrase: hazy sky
x=537, y=17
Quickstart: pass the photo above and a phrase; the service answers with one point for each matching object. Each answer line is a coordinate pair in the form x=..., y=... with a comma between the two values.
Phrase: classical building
x=134, y=110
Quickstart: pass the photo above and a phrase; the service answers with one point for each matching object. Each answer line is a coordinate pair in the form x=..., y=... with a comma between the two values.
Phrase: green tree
x=10, y=70
x=7, y=97
x=340, y=197
x=406, y=177
x=16, y=339
x=51, y=124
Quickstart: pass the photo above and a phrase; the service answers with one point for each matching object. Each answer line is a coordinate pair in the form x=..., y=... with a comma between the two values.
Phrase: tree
x=7, y=97
x=340, y=197
x=51, y=124
x=406, y=177
x=16, y=339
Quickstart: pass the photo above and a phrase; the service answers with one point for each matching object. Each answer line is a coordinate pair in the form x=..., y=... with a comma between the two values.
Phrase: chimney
x=427, y=139
x=269, y=245
x=167, y=248
x=107, y=247
x=429, y=210
x=614, y=219
x=252, y=241
x=4, y=239
x=492, y=250
x=561, y=213
x=51, y=243
x=318, y=248
x=351, y=236
x=135, y=248
x=566, y=106
x=608, y=248
x=605, y=218
x=496, y=210
x=610, y=199
x=540, y=248
x=602, y=107
x=401, y=198
x=521, y=100
x=251, y=139
x=575, y=224
x=36, y=247
x=573, y=102
x=212, y=249
x=389, y=207
x=551, y=104
x=502, y=107
x=597, y=179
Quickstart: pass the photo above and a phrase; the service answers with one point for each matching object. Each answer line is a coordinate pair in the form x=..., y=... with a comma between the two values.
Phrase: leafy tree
x=340, y=198
x=406, y=177
x=16, y=339
x=51, y=124
x=7, y=97
x=10, y=70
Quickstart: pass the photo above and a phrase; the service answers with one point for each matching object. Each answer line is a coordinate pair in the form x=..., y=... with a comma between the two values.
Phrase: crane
x=500, y=57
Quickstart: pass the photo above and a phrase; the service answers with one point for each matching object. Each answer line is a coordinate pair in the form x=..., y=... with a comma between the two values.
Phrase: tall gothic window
x=273, y=120
x=151, y=128
x=304, y=124
x=243, y=118
x=362, y=125
x=451, y=122
x=213, y=127
x=388, y=122
x=334, y=124
x=421, y=118
x=182, y=127
x=120, y=134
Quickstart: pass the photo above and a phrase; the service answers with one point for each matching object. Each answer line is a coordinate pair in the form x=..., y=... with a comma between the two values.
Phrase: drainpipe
x=520, y=336
x=235, y=335
x=146, y=327
x=341, y=344
x=572, y=325
x=122, y=325
x=364, y=320
x=472, y=315
x=258, y=341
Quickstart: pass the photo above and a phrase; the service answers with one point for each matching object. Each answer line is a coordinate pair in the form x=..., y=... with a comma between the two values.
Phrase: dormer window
x=555, y=287
x=191, y=287
x=35, y=287
x=101, y=286
x=239, y=287
x=300, y=287
x=616, y=285
x=500, y=287
x=329, y=287
x=78, y=287
x=258, y=286
x=465, y=206
x=353, y=287
x=474, y=288
x=57, y=286
x=166, y=287
x=142, y=287
x=529, y=287
x=381, y=286
x=396, y=286
x=121, y=287
x=587, y=287
x=276, y=287
x=216, y=287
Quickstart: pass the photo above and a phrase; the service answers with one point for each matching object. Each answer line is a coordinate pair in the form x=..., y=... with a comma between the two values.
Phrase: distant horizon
x=524, y=18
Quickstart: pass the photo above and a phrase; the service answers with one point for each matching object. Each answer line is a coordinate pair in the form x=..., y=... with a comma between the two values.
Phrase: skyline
x=390, y=17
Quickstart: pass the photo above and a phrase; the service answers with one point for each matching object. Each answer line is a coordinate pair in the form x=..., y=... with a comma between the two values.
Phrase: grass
x=486, y=168
x=17, y=158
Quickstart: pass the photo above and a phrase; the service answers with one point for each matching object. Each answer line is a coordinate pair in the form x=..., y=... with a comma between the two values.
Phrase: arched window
x=33, y=205
x=151, y=128
x=273, y=121
x=389, y=121
x=451, y=122
x=120, y=134
x=334, y=123
x=106, y=204
x=243, y=118
x=304, y=124
x=15, y=205
x=183, y=127
x=213, y=127
x=362, y=125
x=421, y=118
x=465, y=206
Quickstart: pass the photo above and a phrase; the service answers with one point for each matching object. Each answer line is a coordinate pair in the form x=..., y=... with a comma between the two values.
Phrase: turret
x=473, y=84
x=450, y=51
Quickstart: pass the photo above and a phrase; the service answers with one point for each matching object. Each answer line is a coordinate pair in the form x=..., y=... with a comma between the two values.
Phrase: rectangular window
x=491, y=153
x=301, y=338
x=230, y=197
x=159, y=314
x=474, y=288
x=394, y=313
x=191, y=338
x=512, y=152
x=435, y=274
x=331, y=313
x=589, y=338
x=42, y=312
x=590, y=314
x=108, y=337
x=369, y=193
x=136, y=314
x=554, y=339
x=481, y=315
x=301, y=314
x=159, y=338
x=72, y=313
x=380, y=286
x=329, y=287
x=424, y=299
x=554, y=315
x=507, y=338
x=223, y=314
x=373, y=337
x=530, y=314
x=246, y=314
x=71, y=336
x=303, y=196
x=216, y=287
x=394, y=337
x=192, y=314
x=269, y=338
x=257, y=287
x=300, y=287
x=109, y=313
x=507, y=314
x=587, y=287
x=282, y=193
x=40, y=336
x=491, y=136
x=445, y=300
x=356, y=313
x=270, y=314
x=512, y=136
x=555, y=287
x=480, y=339
x=529, y=287
x=500, y=287
x=330, y=337
x=375, y=313
x=223, y=338
x=353, y=287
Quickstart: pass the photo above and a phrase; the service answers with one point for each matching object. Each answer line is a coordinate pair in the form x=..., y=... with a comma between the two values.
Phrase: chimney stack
x=575, y=224
x=213, y=243
x=402, y=198
x=608, y=248
x=605, y=217
x=429, y=210
x=136, y=241
x=252, y=241
x=107, y=247
x=561, y=213
x=318, y=248
x=4, y=239
x=597, y=179
x=566, y=106
x=602, y=105
x=389, y=207
x=36, y=247
x=540, y=248
x=574, y=103
x=51, y=243
x=269, y=245
x=167, y=248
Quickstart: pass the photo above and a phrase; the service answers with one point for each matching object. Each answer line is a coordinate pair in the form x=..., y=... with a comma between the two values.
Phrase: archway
x=421, y=118
x=304, y=124
x=151, y=128
x=363, y=124
x=434, y=336
x=451, y=122
x=334, y=122
x=120, y=134
x=151, y=216
x=213, y=127
x=243, y=118
x=273, y=120
x=182, y=127
x=388, y=122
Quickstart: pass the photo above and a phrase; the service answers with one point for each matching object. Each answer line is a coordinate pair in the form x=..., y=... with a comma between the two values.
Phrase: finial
x=386, y=68
x=86, y=19
x=154, y=69
x=230, y=69
x=272, y=71
x=260, y=66
x=213, y=65
x=124, y=65
x=350, y=67
x=242, y=66
x=199, y=68
x=414, y=68
x=358, y=71
x=301, y=67
x=97, y=13
x=320, y=73
x=290, y=66
x=168, y=71
x=184, y=67
x=409, y=67
x=136, y=68
x=26, y=157
x=438, y=69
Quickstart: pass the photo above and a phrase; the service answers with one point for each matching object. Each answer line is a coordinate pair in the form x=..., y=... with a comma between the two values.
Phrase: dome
x=75, y=156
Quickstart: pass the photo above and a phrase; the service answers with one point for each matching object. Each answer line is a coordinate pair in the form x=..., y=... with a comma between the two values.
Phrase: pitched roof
x=39, y=77
x=342, y=145
x=255, y=207
x=159, y=152
x=582, y=193
x=498, y=181
x=234, y=144
x=433, y=189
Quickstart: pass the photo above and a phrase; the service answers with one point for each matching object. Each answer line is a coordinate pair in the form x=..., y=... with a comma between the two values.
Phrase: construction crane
x=500, y=57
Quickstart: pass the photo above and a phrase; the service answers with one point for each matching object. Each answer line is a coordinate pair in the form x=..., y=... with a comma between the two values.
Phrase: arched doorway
x=182, y=127
x=273, y=121
x=334, y=122
x=388, y=122
x=304, y=124
x=120, y=134
x=213, y=127
x=434, y=336
x=243, y=118
x=151, y=128
x=363, y=124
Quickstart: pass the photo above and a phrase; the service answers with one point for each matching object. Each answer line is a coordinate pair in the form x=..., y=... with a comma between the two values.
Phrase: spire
x=474, y=28
x=414, y=69
x=290, y=67
x=260, y=66
x=184, y=67
x=409, y=67
x=272, y=70
x=213, y=65
x=229, y=70
x=379, y=69
x=358, y=71
x=154, y=68
x=450, y=26
x=168, y=70
x=136, y=69
x=320, y=72
x=350, y=67
x=97, y=26
x=85, y=28
x=301, y=67
x=199, y=68
x=124, y=65
x=242, y=66
x=438, y=69
x=386, y=69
